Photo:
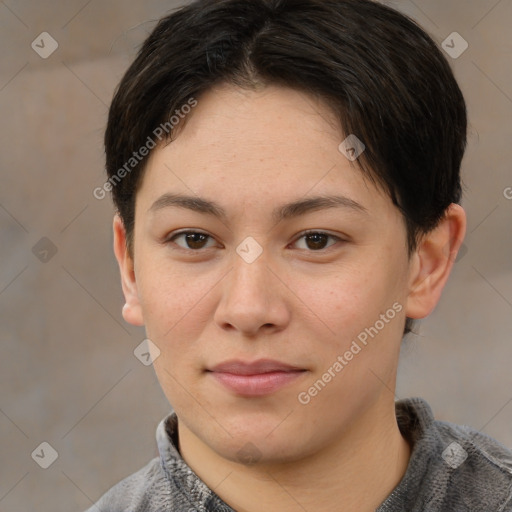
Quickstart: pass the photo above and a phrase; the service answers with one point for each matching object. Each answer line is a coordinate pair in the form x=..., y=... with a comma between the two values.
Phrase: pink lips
x=255, y=379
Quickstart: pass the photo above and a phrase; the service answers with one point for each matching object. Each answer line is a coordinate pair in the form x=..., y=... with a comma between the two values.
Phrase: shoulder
x=165, y=483
x=478, y=466
x=156, y=488
x=145, y=490
x=454, y=467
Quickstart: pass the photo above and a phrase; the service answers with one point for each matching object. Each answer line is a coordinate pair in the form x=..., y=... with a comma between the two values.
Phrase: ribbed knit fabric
x=452, y=468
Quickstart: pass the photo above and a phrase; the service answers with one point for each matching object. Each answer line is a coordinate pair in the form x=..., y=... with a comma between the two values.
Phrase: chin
x=252, y=451
x=259, y=439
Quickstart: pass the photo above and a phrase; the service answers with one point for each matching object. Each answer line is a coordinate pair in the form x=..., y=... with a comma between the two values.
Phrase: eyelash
x=302, y=235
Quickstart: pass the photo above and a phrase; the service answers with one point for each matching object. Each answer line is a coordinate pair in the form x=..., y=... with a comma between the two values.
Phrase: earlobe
x=433, y=260
x=132, y=311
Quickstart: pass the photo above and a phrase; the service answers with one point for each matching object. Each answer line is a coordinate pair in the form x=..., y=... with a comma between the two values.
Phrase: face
x=270, y=274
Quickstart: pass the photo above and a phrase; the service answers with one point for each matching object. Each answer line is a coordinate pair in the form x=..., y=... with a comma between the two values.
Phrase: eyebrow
x=283, y=212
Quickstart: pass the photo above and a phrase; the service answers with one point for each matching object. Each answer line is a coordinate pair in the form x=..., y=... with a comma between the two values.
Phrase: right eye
x=192, y=240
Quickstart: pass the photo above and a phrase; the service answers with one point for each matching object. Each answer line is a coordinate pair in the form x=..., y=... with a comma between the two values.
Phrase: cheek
x=348, y=303
x=176, y=309
x=344, y=300
x=356, y=358
x=175, y=305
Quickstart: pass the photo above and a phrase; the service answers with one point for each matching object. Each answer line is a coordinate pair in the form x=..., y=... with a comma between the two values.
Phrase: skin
x=301, y=302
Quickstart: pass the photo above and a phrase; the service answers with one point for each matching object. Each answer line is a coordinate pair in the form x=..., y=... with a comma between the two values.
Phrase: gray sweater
x=452, y=468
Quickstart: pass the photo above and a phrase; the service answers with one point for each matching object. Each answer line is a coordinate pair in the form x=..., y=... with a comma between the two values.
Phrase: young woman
x=286, y=175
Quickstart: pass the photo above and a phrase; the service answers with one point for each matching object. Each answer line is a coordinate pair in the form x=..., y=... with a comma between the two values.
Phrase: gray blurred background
x=68, y=375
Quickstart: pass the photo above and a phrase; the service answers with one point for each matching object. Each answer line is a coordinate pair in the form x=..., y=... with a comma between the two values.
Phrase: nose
x=253, y=299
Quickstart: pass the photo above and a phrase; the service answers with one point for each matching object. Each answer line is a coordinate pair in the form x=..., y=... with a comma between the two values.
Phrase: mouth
x=253, y=379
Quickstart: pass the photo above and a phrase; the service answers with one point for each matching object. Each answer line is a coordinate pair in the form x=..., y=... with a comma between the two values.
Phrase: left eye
x=192, y=239
x=316, y=240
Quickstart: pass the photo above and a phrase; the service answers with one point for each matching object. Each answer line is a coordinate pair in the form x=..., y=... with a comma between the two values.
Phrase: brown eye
x=316, y=241
x=194, y=240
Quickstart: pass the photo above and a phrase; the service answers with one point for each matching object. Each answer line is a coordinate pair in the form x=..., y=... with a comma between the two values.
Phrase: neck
x=356, y=472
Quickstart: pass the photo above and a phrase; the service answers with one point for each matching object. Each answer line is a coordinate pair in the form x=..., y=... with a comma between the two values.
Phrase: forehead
x=257, y=148
x=274, y=121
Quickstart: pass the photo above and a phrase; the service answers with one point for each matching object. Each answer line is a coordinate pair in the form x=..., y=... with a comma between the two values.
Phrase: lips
x=237, y=367
x=258, y=378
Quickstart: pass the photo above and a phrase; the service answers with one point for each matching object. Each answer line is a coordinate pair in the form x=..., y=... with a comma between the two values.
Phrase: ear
x=433, y=260
x=132, y=311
